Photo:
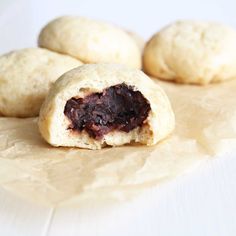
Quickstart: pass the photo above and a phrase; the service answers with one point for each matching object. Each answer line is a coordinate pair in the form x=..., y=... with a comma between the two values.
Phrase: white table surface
x=201, y=203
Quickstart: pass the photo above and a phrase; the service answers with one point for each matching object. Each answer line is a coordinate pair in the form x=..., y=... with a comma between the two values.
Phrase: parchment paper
x=205, y=127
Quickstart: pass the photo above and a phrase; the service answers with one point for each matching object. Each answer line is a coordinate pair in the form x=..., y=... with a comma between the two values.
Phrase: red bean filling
x=118, y=107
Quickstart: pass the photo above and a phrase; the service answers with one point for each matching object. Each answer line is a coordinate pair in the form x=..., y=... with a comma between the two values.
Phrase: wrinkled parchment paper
x=205, y=127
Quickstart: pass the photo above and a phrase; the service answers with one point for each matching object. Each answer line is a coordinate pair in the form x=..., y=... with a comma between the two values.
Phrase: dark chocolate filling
x=118, y=107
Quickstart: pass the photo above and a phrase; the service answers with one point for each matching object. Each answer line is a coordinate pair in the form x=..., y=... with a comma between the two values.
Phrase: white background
x=21, y=20
x=202, y=203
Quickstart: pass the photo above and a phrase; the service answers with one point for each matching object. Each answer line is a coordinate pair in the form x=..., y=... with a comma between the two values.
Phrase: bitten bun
x=89, y=79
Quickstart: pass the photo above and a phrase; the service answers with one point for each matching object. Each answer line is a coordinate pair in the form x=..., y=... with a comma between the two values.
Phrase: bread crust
x=90, y=41
x=26, y=76
x=192, y=52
